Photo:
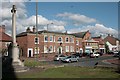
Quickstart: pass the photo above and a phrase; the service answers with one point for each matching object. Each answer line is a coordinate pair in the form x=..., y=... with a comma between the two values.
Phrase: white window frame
x=77, y=42
x=54, y=48
x=37, y=52
x=35, y=40
x=66, y=39
x=67, y=48
x=51, y=49
x=44, y=38
x=61, y=39
x=72, y=39
x=54, y=38
x=51, y=37
x=71, y=49
x=45, y=49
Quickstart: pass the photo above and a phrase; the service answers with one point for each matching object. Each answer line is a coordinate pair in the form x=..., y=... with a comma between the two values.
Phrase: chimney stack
x=2, y=28
x=34, y=29
x=28, y=30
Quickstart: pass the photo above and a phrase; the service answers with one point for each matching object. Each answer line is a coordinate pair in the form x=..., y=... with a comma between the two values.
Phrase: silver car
x=59, y=57
x=71, y=59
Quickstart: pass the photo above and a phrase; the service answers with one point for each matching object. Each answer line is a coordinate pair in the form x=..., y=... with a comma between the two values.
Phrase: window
x=71, y=40
x=54, y=48
x=67, y=48
x=51, y=49
x=77, y=50
x=54, y=38
x=45, y=38
x=67, y=39
x=51, y=38
x=36, y=50
x=60, y=39
x=45, y=49
x=77, y=42
x=36, y=40
x=71, y=49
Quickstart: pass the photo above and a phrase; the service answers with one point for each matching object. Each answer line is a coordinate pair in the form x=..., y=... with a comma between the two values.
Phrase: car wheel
x=77, y=60
x=70, y=61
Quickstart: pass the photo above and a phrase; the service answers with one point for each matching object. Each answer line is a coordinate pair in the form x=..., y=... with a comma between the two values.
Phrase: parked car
x=116, y=54
x=100, y=53
x=77, y=54
x=110, y=52
x=58, y=57
x=70, y=59
x=94, y=54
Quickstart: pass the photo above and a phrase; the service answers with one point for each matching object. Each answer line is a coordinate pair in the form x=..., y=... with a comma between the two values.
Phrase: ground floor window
x=37, y=50
x=51, y=49
x=67, y=48
x=45, y=49
x=71, y=49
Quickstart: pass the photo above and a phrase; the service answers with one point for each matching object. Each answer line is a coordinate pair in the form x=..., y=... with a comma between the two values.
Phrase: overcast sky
x=100, y=18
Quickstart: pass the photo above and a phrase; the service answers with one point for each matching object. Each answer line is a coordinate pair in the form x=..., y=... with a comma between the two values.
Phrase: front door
x=30, y=52
x=60, y=50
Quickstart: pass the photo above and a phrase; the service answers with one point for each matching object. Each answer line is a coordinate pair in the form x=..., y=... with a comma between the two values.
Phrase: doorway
x=30, y=52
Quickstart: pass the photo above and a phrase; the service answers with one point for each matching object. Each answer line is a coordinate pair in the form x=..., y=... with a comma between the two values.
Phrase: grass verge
x=72, y=72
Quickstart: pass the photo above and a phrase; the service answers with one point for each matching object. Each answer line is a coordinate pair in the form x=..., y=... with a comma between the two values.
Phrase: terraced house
x=48, y=43
x=45, y=43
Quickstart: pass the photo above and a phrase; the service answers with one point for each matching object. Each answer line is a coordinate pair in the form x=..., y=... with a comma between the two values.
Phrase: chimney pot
x=28, y=30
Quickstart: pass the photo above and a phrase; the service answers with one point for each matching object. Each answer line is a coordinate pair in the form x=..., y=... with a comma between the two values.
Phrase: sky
x=100, y=18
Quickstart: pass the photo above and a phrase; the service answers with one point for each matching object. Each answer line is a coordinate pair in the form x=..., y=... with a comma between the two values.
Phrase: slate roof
x=80, y=34
x=40, y=32
x=98, y=38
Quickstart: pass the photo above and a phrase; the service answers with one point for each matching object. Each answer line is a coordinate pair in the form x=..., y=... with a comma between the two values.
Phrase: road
x=87, y=62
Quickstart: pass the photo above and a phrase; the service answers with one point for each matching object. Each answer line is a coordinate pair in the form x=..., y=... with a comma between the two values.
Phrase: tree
x=106, y=48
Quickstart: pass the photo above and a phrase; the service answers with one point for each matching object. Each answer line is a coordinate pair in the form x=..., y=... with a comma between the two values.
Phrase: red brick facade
x=50, y=43
x=5, y=40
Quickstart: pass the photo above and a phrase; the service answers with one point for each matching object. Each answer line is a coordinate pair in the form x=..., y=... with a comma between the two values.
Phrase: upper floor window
x=77, y=42
x=51, y=38
x=60, y=39
x=67, y=39
x=45, y=38
x=36, y=40
x=71, y=40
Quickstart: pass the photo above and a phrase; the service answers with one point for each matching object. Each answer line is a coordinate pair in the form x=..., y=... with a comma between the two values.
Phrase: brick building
x=80, y=38
x=112, y=42
x=45, y=43
x=5, y=40
x=101, y=43
x=90, y=46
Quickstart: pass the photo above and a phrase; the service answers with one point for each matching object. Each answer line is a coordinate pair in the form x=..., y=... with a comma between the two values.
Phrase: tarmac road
x=87, y=62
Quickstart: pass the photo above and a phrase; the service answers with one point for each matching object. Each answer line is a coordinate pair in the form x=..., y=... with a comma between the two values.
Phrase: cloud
x=96, y=30
x=23, y=21
x=78, y=19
